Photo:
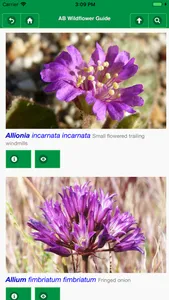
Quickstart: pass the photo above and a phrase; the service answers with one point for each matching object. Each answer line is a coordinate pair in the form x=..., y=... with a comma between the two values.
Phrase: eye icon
x=43, y=158
x=43, y=296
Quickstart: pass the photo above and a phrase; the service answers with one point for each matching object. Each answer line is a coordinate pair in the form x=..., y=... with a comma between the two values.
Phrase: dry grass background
x=144, y=197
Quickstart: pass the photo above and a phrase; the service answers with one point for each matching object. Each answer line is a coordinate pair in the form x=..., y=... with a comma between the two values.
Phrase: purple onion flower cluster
x=98, y=82
x=85, y=221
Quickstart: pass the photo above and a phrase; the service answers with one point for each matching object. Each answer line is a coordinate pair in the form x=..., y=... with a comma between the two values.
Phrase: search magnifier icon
x=157, y=20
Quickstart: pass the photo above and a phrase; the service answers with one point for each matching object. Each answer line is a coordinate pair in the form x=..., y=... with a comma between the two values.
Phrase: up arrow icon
x=139, y=20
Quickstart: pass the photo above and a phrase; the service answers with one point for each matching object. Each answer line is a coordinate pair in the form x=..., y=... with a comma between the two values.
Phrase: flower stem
x=84, y=265
x=86, y=121
x=110, y=260
x=109, y=123
x=73, y=262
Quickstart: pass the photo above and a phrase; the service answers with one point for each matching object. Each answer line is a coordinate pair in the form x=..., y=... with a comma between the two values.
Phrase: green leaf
x=132, y=121
x=24, y=113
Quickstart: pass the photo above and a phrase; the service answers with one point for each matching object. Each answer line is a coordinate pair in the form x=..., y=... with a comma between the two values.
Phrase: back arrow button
x=11, y=20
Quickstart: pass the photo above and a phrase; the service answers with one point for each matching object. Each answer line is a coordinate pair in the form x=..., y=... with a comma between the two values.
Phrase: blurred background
x=143, y=197
x=26, y=53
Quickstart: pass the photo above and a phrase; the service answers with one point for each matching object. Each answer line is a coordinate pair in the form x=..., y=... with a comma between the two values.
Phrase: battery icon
x=157, y=4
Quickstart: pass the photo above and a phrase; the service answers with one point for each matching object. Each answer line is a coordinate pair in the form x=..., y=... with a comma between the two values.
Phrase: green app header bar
x=84, y=14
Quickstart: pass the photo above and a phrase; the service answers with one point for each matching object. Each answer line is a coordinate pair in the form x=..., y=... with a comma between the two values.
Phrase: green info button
x=47, y=159
x=47, y=293
x=18, y=159
x=18, y=293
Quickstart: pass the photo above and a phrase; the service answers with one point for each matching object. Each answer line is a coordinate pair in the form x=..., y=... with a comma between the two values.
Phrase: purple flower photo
x=98, y=82
x=86, y=80
x=86, y=225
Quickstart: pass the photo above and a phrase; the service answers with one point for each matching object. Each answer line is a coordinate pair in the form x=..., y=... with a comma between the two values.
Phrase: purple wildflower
x=84, y=222
x=98, y=82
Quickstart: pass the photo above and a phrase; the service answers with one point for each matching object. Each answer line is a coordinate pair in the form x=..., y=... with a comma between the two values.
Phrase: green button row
x=43, y=159
x=25, y=293
x=20, y=20
x=148, y=20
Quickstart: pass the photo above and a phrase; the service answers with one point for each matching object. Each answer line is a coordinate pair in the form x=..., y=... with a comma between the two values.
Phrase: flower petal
x=127, y=108
x=75, y=55
x=98, y=54
x=90, y=98
x=120, y=61
x=64, y=58
x=128, y=71
x=132, y=100
x=103, y=238
x=55, y=86
x=51, y=87
x=55, y=71
x=99, y=108
x=59, y=250
x=68, y=92
x=131, y=242
x=133, y=90
x=111, y=54
x=115, y=111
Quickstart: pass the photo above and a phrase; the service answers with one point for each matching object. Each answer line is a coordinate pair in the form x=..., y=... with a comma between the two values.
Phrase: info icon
x=14, y=296
x=14, y=159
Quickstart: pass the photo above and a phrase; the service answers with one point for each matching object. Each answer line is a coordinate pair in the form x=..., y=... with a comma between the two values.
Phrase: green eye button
x=47, y=158
x=47, y=293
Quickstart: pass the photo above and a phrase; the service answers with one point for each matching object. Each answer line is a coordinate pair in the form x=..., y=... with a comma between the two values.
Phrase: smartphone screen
x=84, y=149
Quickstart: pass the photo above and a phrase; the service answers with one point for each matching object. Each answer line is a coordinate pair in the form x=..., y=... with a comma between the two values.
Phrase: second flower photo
x=86, y=225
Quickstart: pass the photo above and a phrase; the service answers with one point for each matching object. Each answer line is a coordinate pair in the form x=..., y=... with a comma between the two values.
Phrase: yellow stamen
x=99, y=62
x=111, y=92
x=91, y=78
x=108, y=76
x=106, y=64
x=116, y=75
x=118, y=95
x=100, y=84
x=80, y=80
x=100, y=68
x=89, y=69
x=115, y=85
